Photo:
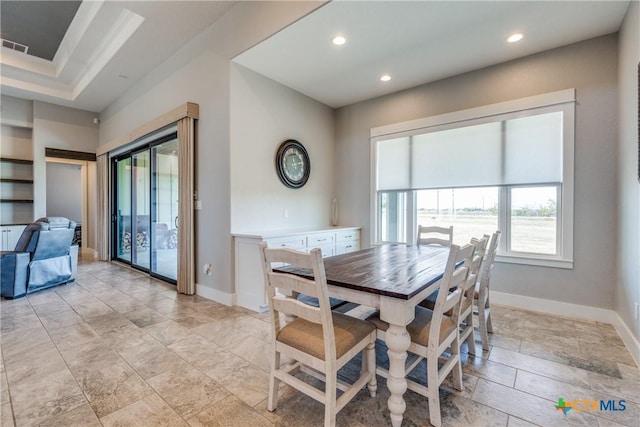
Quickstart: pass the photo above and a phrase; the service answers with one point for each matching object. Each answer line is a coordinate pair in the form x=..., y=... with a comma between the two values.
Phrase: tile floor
x=117, y=348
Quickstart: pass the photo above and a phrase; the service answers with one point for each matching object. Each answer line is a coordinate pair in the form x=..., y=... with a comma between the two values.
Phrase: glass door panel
x=141, y=210
x=122, y=209
x=165, y=223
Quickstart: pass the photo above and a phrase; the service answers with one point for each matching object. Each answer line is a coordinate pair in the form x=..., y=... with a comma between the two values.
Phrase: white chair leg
x=489, y=325
x=370, y=355
x=471, y=341
x=482, y=324
x=457, y=370
x=330, y=395
x=434, y=392
x=272, y=403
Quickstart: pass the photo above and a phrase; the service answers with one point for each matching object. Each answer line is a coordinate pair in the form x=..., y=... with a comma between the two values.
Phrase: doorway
x=145, y=208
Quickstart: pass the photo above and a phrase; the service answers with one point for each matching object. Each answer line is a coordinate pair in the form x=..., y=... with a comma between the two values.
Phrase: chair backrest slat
x=487, y=264
x=293, y=283
x=476, y=263
x=292, y=306
x=451, y=288
x=434, y=235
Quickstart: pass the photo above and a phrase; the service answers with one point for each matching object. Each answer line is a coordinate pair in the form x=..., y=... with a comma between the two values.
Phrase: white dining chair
x=481, y=294
x=435, y=235
x=318, y=340
x=466, y=306
x=435, y=335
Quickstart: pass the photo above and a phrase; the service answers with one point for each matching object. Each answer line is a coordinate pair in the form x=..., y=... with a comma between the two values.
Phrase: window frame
x=564, y=101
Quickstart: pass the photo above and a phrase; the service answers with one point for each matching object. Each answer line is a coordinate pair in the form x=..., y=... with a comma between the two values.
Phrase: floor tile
x=230, y=412
x=35, y=400
x=168, y=332
x=112, y=387
x=151, y=359
x=539, y=366
x=526, y=406
x=551, y=390
x=151, y=411
x=188, y=391
x=82, y=415
x=144, y=317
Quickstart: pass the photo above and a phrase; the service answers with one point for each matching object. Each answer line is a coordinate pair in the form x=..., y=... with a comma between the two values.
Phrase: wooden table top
x=393, y=270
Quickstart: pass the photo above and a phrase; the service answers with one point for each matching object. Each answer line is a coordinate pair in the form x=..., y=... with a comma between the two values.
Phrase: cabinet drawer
x=327, y=250
x=346, y=247
x=291, y=242
x=320, y=239
x=347, y=235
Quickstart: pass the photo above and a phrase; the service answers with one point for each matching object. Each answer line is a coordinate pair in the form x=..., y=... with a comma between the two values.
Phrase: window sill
x=539, y=262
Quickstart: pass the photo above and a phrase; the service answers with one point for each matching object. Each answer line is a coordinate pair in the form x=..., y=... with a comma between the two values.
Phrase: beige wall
x=591, y=68
x=200, y=73
x=264, y=114
x=628, y=284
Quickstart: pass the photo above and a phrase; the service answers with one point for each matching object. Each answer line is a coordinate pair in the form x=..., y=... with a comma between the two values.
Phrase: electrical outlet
x=198, y=205
x=207, y=269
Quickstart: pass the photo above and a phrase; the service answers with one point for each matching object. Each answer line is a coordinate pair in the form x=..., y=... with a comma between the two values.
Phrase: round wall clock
x=293, y=164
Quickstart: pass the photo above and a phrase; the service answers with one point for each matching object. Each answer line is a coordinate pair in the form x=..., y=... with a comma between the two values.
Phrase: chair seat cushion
x=420, y=327
x=307, y=336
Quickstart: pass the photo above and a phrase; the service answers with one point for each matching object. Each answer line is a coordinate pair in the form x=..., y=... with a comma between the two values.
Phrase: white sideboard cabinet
x=248, y=276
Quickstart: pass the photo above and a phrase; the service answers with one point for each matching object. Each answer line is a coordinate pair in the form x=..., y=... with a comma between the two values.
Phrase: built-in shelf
x=17, y=161
x=17, y=181
x=16, y=201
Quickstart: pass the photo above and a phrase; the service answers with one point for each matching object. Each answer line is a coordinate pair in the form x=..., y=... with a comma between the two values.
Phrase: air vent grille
x=14, y=46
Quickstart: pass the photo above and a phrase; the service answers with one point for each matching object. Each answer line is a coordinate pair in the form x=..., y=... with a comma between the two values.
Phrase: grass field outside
x=528, y=234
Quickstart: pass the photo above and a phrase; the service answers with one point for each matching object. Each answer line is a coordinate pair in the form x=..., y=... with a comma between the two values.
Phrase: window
x=506, y=166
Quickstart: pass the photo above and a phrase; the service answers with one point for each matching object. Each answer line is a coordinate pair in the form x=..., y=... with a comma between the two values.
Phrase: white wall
x=263, y=115
x=67, y=129
x=64, y=190
x=200, y=73
x=591, y=68
x=628, y=284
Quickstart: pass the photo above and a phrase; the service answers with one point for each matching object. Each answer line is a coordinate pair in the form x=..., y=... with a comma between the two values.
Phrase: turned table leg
x=398, y=342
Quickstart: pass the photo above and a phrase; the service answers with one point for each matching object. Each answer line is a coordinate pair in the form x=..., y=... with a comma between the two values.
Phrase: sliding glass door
x=145, y=208
x=165, y=223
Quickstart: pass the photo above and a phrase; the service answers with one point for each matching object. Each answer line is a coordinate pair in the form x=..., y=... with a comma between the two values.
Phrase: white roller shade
x=459, y=157
x=523, y=150
x=533, y=149
x=394, y=164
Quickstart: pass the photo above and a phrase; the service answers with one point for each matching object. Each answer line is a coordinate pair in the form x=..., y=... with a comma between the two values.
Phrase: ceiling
x=416, y=42
x=110, y=45
x=39, y=25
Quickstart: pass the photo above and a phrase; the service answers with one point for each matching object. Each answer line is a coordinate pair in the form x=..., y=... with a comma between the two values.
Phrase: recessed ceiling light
x=515, y=37
x=385, y=78
x=339, y=40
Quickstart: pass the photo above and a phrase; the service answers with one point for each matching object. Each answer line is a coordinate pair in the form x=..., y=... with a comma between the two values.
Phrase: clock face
x=292, y=164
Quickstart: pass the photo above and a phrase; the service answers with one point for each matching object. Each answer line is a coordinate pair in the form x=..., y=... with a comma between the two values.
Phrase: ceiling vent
x=14, y=46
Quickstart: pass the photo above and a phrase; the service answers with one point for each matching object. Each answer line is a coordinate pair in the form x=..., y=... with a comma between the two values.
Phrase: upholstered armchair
x=43, y=257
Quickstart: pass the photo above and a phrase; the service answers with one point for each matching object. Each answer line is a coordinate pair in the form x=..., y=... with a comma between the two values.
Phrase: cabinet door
x=327, y=250
x=320, y=239
x=12, y=236
x=346, y=247
x=347, y=235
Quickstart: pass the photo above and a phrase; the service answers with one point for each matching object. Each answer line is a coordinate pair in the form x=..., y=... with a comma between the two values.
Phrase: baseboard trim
x=627, y=337
x=216, y=295
x=574, y=311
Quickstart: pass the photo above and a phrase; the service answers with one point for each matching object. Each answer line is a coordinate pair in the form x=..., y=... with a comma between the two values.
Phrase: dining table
x=393, y=278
